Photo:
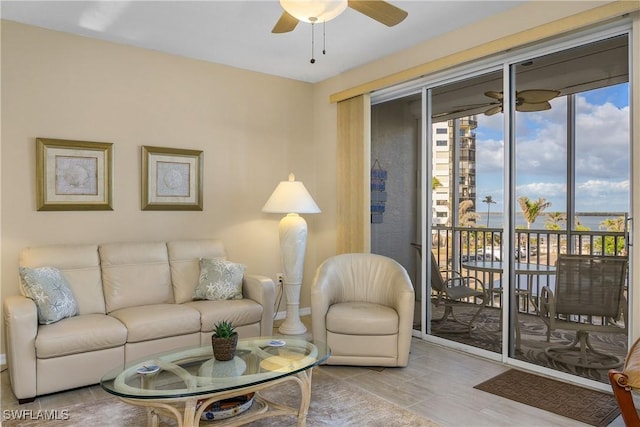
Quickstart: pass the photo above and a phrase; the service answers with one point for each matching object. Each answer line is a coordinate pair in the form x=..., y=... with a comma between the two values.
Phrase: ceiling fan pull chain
x=313, y=22
x=324, y=38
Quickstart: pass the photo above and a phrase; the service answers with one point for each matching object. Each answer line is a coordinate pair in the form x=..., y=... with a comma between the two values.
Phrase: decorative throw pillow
x=50, y=290
x=219, y=280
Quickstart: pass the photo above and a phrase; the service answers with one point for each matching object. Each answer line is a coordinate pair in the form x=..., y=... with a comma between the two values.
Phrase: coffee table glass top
x=194, y=371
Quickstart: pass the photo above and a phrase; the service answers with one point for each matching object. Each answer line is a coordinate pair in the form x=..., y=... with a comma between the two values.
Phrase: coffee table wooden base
x=184, y=409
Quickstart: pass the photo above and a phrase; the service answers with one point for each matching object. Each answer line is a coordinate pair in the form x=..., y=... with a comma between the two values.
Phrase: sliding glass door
x=572, y=198
x=496, y=180
x=466, y=147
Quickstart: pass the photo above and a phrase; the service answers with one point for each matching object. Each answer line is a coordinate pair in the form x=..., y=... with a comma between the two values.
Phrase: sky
x=602, y=153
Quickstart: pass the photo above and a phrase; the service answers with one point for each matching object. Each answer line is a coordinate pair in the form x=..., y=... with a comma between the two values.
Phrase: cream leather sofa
x=362, y=307
x=134, y=299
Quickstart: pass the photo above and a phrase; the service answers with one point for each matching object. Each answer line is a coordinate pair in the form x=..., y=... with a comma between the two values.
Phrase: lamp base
x=292, y=324
x=293, y=241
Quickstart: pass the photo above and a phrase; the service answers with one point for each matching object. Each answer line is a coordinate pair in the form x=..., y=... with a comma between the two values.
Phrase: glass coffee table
x=189, y=383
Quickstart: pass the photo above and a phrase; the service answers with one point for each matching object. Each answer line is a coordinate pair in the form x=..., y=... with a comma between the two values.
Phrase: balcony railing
x=455, y=246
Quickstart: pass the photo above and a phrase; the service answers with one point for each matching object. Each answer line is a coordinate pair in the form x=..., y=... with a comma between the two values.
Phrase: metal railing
x=455, y=246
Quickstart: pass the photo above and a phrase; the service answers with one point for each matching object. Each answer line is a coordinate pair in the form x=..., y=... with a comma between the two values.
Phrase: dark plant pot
x=224, y=348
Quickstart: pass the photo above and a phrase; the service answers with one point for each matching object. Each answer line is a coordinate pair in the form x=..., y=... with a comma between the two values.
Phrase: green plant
x=224, y=329
x=532, y=209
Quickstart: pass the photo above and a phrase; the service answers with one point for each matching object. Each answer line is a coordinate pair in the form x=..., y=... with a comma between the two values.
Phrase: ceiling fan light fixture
x=314, y=11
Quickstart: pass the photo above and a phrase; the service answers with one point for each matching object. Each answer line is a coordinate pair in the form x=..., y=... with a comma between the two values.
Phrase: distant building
x=444, y=156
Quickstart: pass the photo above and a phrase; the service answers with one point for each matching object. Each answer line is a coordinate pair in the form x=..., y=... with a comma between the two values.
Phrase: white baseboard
x=282, y=314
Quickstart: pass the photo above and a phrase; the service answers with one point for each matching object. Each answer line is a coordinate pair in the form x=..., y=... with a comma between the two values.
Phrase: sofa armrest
x=261, y=289
x=21, y=329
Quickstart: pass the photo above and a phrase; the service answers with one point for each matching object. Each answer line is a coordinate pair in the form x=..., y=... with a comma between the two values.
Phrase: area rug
x=581, y=404
x=334, y=402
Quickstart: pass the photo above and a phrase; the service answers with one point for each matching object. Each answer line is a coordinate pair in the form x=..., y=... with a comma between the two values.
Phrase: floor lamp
x=291, y=197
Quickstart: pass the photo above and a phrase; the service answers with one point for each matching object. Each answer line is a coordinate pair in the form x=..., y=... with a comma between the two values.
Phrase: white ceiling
x=238, y=32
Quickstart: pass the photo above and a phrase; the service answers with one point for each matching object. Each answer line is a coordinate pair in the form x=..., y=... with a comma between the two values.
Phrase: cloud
x=602, y=154
x=534, y=190
x=594, y=186
x=600, y=195
x=602, y=132
x=489, y=156
x=603, y=196
x=602, y=141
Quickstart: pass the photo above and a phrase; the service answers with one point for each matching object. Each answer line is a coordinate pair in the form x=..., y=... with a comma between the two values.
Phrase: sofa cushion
x=149, y=322
x=239, y=312
x=184, y=259
x=219, y=280
x=135, y=274
x=49, y=289
x=79, y=334
x=362, y=318
x=80, y=265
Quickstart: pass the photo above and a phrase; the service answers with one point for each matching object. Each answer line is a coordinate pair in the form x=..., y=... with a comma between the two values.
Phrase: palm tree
x=615, y=246
x=556, y=221
x=531, y=210
x=613, y=224
x=467, y=218
x=578, y=225
x=489, y=201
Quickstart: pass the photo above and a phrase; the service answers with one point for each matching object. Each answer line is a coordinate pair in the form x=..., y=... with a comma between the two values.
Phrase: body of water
x=589, y=220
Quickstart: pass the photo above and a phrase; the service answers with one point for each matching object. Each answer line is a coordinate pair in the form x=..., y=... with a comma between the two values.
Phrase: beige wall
x=253, y=130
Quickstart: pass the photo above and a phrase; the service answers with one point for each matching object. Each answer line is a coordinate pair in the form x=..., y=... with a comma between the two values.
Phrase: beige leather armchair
x=362, y=307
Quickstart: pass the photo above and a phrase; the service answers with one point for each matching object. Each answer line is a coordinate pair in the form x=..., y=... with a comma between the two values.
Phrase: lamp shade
x=290, y=197
x=314, y=10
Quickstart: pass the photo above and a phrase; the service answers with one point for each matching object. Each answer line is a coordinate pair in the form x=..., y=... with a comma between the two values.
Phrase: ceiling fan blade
x=536, y=96
x=529, y=107
x=379, y=10
x=493, y=110
x=285, y=24
x=463, y=111
x=459, y=108
x=493, y=94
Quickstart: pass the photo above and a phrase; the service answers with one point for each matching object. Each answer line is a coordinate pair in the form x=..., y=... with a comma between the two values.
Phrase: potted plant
x=224, y=340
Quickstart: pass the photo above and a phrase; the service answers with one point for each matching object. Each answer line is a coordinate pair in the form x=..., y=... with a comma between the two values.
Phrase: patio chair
x=624, y=382
x=450, y=288
x=589, y=297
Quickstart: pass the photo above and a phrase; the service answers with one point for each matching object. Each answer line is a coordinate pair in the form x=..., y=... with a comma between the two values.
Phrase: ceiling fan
x=526, y=100
x=317, y=11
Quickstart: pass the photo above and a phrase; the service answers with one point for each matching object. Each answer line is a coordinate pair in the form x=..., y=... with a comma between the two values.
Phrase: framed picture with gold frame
x=171, y=179
x=73, y=175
